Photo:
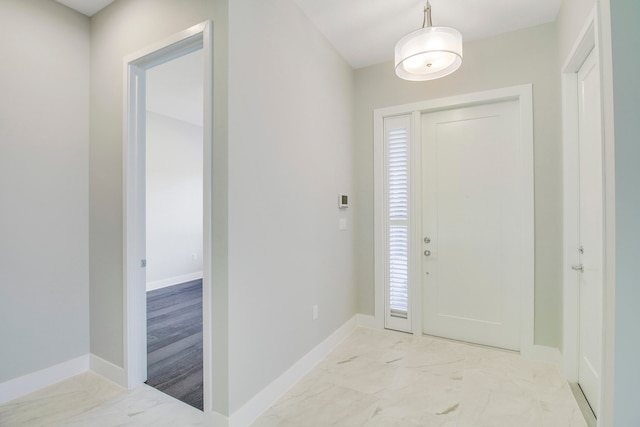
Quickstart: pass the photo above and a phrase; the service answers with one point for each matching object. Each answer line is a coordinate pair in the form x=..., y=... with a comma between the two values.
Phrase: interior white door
x=472, y=224
x=591, y=231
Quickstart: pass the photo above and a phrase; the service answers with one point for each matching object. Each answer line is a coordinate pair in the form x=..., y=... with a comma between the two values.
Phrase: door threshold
x=584, y=405
x=473, y=344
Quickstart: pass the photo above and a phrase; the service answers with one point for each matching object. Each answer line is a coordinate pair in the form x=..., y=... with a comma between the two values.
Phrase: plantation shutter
x=397, y=135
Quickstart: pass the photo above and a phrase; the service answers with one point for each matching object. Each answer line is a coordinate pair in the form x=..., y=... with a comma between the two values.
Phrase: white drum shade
x=428, y=53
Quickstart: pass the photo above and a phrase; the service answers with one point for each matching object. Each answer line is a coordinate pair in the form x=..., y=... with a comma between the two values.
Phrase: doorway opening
x=173, y=207
x=168, y=219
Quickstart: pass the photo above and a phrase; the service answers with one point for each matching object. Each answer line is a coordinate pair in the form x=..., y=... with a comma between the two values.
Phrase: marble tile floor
x=373, y=378
x=88, y=400
x=386, y=379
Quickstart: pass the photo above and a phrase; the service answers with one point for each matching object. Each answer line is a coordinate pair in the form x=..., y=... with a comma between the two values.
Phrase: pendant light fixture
x=428, y=53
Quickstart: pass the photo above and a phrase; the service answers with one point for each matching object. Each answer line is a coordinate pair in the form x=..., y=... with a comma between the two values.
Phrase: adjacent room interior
x=174, y=227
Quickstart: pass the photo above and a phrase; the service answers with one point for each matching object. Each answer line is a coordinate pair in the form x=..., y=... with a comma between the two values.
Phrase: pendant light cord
x=426, y=21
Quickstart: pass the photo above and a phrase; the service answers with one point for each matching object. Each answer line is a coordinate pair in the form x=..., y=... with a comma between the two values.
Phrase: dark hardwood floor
x=174, y=341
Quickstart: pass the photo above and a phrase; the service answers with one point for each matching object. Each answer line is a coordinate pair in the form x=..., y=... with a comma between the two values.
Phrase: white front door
x=590, y=268
x=473, y=224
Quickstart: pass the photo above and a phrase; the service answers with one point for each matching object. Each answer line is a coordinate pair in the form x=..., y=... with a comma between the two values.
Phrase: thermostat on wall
x=343, y=201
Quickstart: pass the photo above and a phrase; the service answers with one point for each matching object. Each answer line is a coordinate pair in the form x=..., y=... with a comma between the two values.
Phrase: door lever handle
x=578, y=267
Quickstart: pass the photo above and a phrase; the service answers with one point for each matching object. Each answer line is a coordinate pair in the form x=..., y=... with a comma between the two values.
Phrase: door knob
x=427, y=239
x=427, y=252
x=578, y=267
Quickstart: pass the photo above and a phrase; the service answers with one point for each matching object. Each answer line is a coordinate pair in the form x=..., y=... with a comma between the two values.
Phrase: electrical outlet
x=315, y=312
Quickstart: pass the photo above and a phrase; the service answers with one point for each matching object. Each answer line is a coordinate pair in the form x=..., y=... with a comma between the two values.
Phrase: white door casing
x=591, y=231
x=579, y=291
x=199, y=36
x=522, y=96
x=471, y=210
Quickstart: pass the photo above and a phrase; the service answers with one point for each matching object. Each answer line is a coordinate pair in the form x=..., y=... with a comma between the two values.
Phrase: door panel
x=591, y=231
x=472, y=213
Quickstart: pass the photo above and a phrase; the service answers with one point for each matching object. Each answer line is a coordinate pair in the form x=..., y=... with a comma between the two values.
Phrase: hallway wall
x=44, y=144
x=290, y=156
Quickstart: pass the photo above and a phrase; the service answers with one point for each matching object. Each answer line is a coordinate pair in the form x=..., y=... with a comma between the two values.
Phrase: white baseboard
x=108, y=370
x=170, y=281
x=35, y=381
x=547, y=354
x=270, y=394
x=216, y=419
x=367, y=321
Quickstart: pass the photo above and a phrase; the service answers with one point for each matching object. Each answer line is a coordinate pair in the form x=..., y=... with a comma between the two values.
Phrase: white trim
x=134, y=250
x=216, y=419
x=603, y=41
x=547, y=354
x=271, y=393
x=594, y=35
x=527, y=332
x=523, y=94
x=207, y=216
x=108, y=370
x=194, y=38
x=415, y=223
x=570, y=189
x=169, y=48
x=35, y=381
x=570, y=227
x=367, y=321
x=456, y=101
x=379, y=223
x=170, y=281
x=583, y=45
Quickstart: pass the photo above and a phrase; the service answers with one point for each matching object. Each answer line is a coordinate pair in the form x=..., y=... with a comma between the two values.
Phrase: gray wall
x=125, y=27
x=521, y=57
x=290, y=141
x=290, y=155
x=174, y=200
x=44, y=143
x=625, y=36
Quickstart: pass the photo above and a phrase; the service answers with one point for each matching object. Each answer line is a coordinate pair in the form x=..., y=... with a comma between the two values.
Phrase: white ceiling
x=86, y=7
x=365, y=31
